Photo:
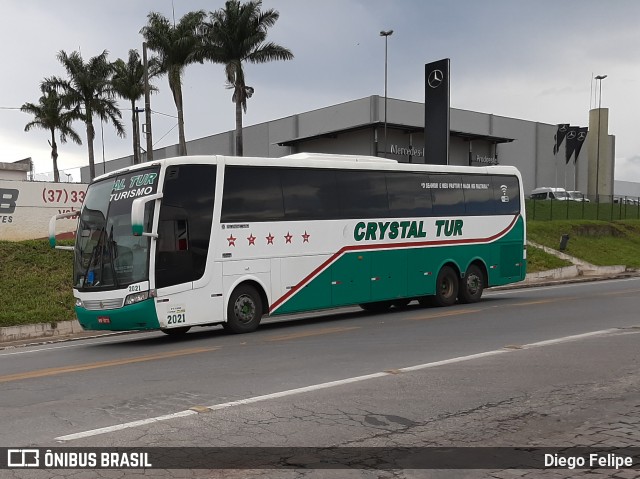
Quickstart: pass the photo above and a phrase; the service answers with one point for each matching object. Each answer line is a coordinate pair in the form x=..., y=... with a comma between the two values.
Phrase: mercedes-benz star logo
x=571, y=135
x=581, y=136
x=563, y=128
x=435, y=78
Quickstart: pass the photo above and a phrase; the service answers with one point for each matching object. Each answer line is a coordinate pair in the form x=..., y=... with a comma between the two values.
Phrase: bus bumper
x=134, y=317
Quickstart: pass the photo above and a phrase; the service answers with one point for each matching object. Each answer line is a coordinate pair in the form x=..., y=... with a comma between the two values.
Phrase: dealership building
x=358, y=127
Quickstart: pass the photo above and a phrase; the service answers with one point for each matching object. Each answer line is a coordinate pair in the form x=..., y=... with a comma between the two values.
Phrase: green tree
x=174, y=46
x=50, y=114
x=88, y=87
x=236, y=34
x=128, y=83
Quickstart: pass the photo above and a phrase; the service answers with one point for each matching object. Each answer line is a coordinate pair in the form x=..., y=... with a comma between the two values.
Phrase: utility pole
x=147, y=103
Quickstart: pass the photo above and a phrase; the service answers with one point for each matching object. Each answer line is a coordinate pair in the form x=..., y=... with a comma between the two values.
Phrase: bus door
x=186, y=286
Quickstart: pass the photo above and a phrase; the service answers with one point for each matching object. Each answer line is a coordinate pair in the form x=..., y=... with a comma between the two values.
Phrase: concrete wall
x=17, y=171
x=27, y=206
x=14, y=175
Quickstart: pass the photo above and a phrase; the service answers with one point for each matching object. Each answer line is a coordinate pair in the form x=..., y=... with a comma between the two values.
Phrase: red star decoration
x=288, y=237
x=232, y=240
x=252, y=239
x=305, y=237
x=270, y=238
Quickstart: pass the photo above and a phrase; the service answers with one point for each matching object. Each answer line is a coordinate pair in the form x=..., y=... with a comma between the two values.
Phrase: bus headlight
x=136, y=298
x=78, y=302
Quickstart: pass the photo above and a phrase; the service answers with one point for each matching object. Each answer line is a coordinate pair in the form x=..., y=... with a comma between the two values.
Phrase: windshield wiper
x=110, y=247
x=99, y=245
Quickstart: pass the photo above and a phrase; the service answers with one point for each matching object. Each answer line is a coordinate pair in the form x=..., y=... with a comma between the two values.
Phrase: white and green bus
x=205, y=240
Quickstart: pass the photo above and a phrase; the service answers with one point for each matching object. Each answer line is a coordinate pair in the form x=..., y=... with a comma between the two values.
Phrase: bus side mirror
x=52, y=228
x=137, y=215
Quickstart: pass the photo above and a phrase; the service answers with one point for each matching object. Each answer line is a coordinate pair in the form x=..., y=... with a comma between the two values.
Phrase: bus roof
x=328, y=156
x=322, y=160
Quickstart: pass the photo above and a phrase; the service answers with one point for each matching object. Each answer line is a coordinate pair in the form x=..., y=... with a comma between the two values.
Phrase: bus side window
x=251, y=193
x=506, y=194
x=309, y=193
x=448, y=199
x=478, y=195
x=409, y=194
x=362, y=194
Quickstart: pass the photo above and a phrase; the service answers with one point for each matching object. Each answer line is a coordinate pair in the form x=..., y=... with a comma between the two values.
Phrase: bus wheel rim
x=473, y=284
x=446, y=287
x=244, y=309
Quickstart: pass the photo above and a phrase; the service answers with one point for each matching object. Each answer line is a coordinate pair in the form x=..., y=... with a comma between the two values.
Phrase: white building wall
x=27, y=206
x=13, y=175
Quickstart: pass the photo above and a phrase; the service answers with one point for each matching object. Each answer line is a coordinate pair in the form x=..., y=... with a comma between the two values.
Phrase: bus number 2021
x=175, y=318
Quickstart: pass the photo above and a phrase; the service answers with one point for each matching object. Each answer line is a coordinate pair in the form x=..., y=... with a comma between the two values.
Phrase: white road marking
x=331, y=384
x=126, y=425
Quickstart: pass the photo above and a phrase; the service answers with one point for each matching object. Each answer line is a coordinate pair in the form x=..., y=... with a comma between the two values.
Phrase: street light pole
x=599, y=78
x=385, y=34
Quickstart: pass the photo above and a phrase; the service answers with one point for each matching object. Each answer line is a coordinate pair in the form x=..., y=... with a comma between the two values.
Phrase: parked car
x=578, y=196
x=625, y=200
x=548, y=193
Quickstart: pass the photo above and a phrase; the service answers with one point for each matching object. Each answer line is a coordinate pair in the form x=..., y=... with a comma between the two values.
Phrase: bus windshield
x=107, y=255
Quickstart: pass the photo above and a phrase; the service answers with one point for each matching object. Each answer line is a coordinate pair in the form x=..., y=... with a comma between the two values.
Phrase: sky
x=527, y=59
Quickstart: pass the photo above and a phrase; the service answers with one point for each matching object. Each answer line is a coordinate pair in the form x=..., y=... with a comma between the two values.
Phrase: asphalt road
x=521, y=367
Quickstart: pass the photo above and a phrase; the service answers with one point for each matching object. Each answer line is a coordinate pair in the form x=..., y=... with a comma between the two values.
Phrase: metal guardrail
x=604, y=208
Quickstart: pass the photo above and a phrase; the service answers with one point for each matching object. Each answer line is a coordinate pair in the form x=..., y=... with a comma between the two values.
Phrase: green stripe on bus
x=378, y=275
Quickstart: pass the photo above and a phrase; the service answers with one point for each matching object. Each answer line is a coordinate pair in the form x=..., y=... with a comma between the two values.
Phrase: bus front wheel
x=244, y=311
x=472, y=285
x=446, y=287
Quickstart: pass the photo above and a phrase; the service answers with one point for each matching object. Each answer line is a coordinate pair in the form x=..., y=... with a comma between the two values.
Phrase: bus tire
x=472, y=285
x=176, y=331
x=446, y=287
x=244, y=311
x=376, y=306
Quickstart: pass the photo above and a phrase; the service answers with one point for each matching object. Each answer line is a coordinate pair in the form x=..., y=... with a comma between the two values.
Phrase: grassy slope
x=538, y=260
x=600, y=243
x=35, y=281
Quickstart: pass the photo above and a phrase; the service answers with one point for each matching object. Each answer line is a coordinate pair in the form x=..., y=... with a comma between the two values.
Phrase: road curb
x=40, y=330
x=43, y=333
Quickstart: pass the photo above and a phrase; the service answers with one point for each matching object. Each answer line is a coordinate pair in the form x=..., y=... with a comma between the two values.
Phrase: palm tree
x=128, y=83
x=88, y=87
x=51, y=115
x=174, y=46
x=237, y=34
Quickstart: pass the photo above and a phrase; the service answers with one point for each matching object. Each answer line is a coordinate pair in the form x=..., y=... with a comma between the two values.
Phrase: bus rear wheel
x=176, y=331
x=244, y=311
x=472, y=285
x=446, y=287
